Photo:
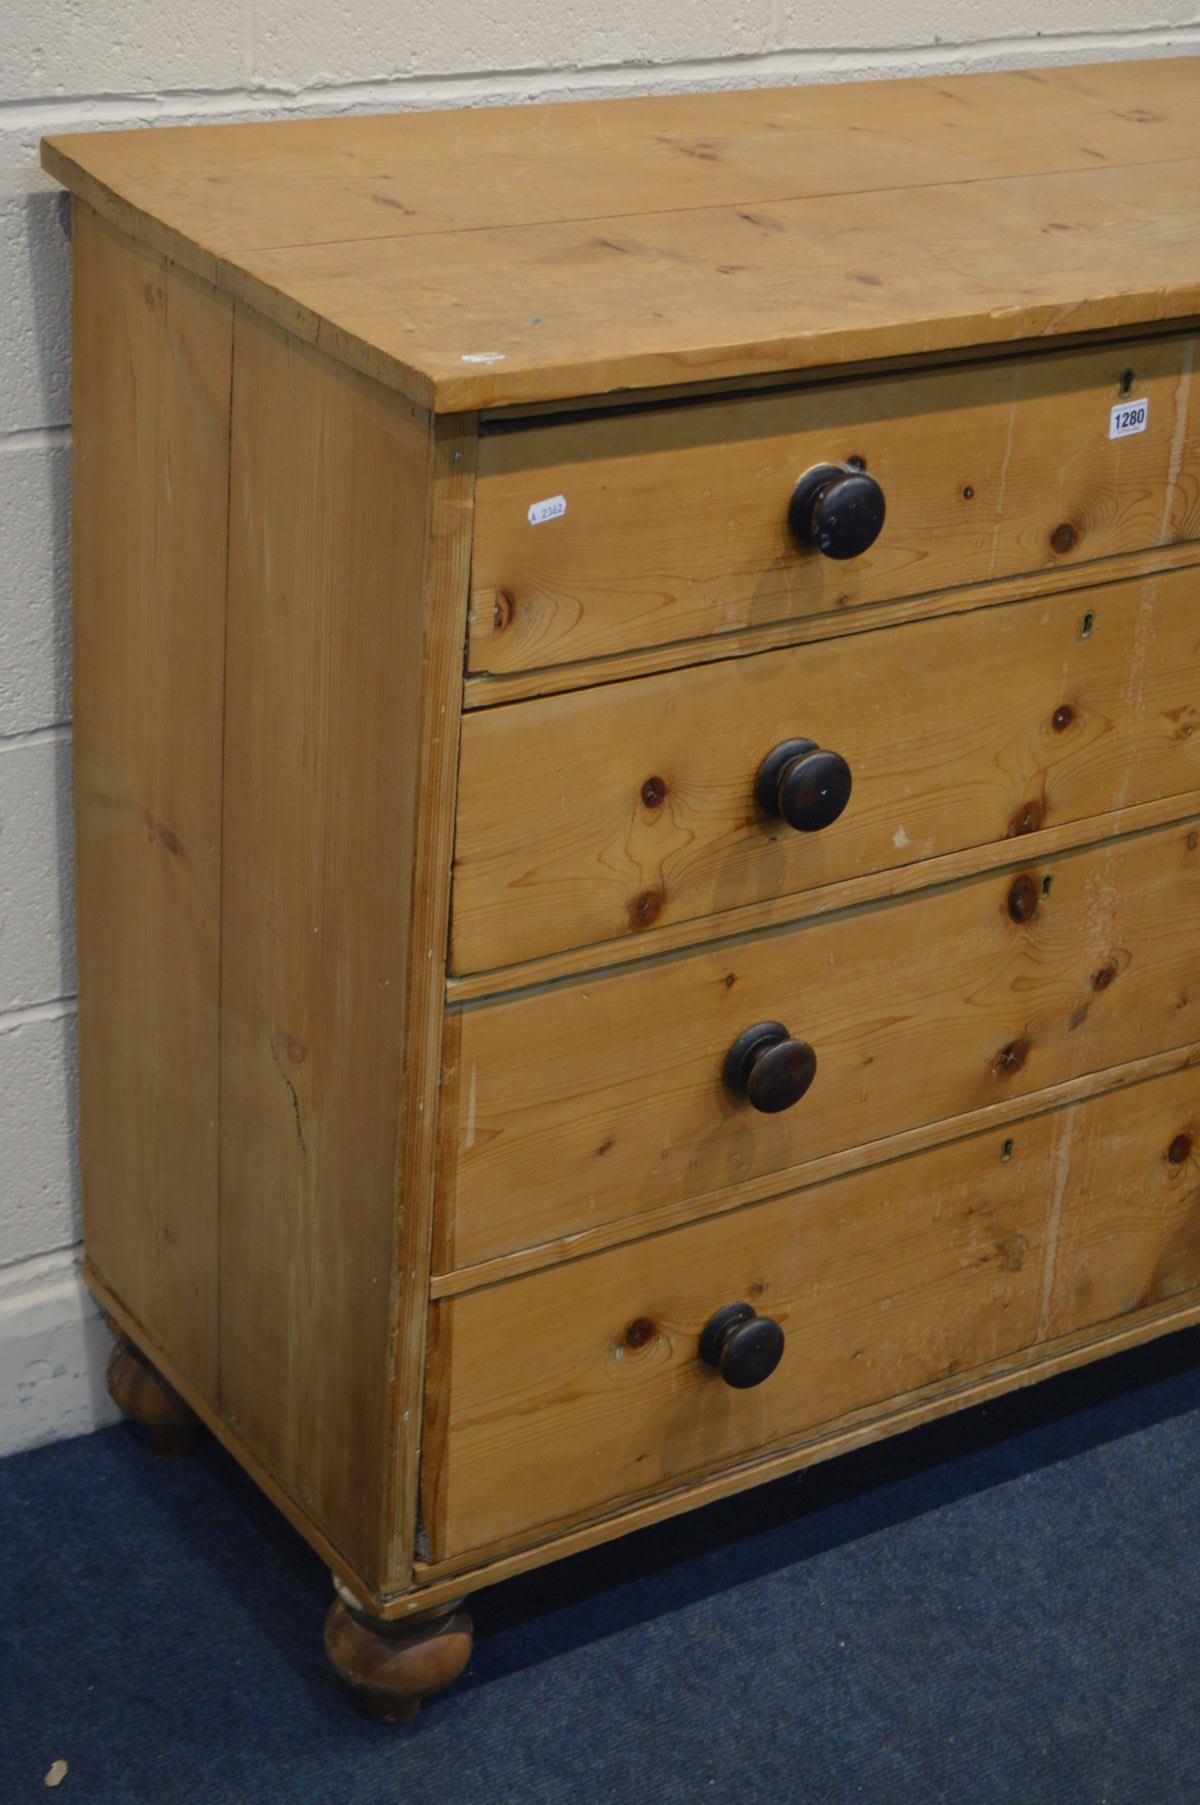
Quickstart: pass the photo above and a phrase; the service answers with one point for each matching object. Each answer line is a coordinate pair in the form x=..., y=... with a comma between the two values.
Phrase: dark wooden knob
x=838, y=508
x=806, y=785
x=744, y=1347
x=770, y=1069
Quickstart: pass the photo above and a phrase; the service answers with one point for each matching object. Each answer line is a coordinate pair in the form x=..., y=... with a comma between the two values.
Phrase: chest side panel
x=329, y=516
x=152, y=349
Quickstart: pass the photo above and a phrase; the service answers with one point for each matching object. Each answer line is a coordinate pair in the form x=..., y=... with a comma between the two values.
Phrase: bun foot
x=394, y=1666
x=141, y=1393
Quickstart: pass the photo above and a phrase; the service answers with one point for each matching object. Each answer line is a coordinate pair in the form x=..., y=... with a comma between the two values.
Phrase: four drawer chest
x=637, y=787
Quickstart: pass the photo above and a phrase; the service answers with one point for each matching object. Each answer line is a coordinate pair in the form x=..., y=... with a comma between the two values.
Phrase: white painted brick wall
x=79, y=47
x=37, y=962
x=295, y=45
x=35, y=295
x=35, y=582
x=38, y=1134
x=79, y=64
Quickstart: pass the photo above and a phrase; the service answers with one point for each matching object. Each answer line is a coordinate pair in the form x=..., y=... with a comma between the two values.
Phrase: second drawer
x=591, y=816
x=603, y=1099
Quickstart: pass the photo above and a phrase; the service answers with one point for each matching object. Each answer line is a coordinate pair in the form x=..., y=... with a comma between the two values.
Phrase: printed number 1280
x=1128, y=417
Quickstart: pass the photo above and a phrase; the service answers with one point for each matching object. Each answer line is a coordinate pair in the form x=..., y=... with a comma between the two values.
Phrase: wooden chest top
x=538, y=253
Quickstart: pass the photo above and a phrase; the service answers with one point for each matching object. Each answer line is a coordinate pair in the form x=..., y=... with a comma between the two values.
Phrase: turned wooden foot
x=141, y=1393
x=396, y=1665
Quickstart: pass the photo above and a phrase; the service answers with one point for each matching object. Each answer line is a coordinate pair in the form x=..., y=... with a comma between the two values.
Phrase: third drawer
x=601, y=1101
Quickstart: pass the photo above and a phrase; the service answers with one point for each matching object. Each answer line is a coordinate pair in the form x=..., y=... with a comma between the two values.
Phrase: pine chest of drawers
x=637, y=793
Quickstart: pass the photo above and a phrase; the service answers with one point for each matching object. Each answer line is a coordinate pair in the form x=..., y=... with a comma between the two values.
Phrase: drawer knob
x=770, y=1069
x=838, y=508
x=744, y=1347
x=806, y=785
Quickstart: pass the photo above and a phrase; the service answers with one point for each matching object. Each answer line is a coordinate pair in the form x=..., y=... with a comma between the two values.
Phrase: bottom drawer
x=569, y=1389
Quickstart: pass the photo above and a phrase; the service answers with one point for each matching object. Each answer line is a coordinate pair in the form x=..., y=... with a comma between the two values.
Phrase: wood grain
x=486, y=689
x=682, y=1209
x=825, y=899
x=618, y=302
x=622, y=244
x=676, y=522
x=330, y=508
x=582, y=1384
x=612, y=813
x=219, y=188
x=151, y=437
x=600, y=1099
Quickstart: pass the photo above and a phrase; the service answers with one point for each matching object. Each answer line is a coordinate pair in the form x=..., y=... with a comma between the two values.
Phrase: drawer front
x=596, y=815
x=582, y=1384
x=599, y=1100
x=674, y=522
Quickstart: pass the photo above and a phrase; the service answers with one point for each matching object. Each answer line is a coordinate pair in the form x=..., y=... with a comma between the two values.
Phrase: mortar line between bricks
x=65, y=1256
x=848, y=63
x=57, y=735
x=28, y=1015
x=34, y=438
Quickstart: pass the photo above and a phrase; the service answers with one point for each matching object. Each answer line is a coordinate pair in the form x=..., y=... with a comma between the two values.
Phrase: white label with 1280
x=1128, y=417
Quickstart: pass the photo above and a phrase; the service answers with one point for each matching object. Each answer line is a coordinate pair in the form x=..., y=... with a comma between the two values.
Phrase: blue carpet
x=1004, y=1606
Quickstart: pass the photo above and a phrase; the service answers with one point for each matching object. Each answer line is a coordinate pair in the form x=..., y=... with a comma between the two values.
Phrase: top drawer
x=676, y=520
